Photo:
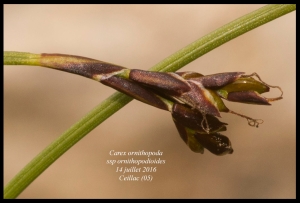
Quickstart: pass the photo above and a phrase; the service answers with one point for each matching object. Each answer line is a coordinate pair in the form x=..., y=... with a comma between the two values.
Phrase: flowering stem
x=116, y=101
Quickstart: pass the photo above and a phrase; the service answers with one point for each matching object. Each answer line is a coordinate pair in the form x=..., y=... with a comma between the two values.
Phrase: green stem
x=21, y=58
x=115, y=102
x=222, y=35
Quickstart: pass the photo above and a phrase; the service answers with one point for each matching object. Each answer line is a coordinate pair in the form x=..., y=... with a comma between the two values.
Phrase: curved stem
x=111, y=105
x=222, y=35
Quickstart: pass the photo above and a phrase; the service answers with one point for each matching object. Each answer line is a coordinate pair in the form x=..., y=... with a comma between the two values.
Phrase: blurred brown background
x=40, y=104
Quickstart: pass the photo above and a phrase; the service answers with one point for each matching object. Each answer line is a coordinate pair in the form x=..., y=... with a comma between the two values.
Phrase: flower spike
x=194, y=100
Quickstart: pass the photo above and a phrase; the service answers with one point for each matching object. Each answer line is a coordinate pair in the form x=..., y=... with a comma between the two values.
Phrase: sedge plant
x=194, y=100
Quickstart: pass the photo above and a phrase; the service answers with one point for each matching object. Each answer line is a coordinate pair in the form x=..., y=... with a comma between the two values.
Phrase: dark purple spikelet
x=194, y=100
